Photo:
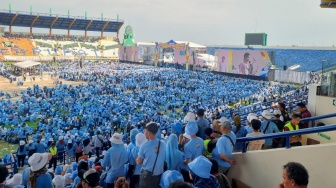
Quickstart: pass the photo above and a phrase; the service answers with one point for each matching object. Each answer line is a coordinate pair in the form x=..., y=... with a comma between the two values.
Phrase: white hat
x=116, y=138
x=58, y=181
x=31, y=141
x=22, y=143
x=67, y=179
x=61, y=138
x=266, y=114
x=223, y=119
x=51, y=139
x=38, y=160
x=163, y=131
x=15, y=180
x=140, y=139
x=187, y=136
x=69, y=141
x=277, y=112
x=190, y=117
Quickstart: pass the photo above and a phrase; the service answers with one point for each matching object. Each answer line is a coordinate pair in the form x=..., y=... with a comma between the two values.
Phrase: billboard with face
x=247, y=62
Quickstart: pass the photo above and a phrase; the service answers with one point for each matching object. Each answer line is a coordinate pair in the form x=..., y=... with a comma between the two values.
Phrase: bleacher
x=309, y=59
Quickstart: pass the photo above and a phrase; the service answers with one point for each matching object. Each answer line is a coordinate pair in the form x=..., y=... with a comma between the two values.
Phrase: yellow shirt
x=53, y=151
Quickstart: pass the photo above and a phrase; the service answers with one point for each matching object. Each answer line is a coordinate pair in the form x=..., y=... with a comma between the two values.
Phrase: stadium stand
x=309, y=59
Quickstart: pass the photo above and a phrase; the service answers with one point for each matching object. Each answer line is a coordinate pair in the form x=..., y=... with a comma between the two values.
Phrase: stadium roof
x=328, y=4
x=38, y=20
x=26, y=64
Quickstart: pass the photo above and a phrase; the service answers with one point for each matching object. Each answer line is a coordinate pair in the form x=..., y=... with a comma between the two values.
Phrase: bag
x=266, y=127
x=213, y=142
x=212, y=145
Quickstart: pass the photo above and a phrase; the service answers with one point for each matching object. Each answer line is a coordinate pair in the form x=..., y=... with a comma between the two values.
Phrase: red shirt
x=305, y=114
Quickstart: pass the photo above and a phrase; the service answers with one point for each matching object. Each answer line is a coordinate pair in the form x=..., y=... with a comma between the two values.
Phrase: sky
x=207, y=22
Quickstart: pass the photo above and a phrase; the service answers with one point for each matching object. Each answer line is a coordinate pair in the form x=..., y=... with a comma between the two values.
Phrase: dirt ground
x=6, y=86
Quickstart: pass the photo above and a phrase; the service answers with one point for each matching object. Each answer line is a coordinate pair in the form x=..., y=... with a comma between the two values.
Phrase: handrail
x=317, y=118
x=287, y=134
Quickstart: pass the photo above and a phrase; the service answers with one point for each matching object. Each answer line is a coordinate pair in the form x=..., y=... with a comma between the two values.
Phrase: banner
x=129, y=53
x=247, y=62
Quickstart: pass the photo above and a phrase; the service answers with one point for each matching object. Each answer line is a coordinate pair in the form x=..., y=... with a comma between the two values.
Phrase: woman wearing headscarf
x=130, y=147
x=39, y=177
x=115, y=159
x=174, y=157
x=21, y=153
x=200, y=173
x=140, y=139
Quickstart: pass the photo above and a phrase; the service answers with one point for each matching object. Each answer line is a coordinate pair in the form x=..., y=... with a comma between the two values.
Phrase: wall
x=323, y=105
x=263, y=169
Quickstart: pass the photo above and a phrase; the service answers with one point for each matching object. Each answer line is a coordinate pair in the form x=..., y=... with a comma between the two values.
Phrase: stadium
x=102, y=111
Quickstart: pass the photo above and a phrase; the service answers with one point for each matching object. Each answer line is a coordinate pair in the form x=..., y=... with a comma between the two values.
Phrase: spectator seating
x=309, y=59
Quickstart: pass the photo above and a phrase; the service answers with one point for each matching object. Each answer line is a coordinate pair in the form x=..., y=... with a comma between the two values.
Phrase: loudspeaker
x=285, y=67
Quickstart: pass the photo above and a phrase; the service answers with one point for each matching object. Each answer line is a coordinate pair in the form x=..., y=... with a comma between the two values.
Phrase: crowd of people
x=139, y=126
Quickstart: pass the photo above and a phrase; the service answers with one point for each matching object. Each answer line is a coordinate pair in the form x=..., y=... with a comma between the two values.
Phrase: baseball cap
x=226, y=124
x=91, y=177
x=152, y=127
x=277, y=113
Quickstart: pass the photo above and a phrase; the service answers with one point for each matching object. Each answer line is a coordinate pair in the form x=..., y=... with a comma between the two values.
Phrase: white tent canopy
x=26, y=64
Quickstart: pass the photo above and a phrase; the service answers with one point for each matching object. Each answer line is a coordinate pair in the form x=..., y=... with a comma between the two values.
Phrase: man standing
x=202, y=123
x=151, y=156
x=293, y=125
x=53, y=160
x=222, y=153
x=267, y=127
x=304, y=114
x=98, y=142
x=278, y=142
x=294, y=175
x=284, y=113
x=244, y=66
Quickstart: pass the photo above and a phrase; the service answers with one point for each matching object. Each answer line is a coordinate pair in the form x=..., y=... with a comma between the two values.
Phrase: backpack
x=212, y=145
x=213, y=142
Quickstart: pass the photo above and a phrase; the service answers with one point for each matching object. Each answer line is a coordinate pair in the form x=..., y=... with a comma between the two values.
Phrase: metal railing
x=289, y=134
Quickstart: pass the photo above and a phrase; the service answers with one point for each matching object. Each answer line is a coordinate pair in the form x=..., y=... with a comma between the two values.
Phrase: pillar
x=50, y=32
x=10, y=30
x=85, y=34
x=68, y=33
x=102, y=35
x=31, y=31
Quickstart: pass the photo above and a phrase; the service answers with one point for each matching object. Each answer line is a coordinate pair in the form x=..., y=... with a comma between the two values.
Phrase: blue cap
x=170, y=176
x=74, y=166
x=69, y=170
x=58, y=170
x=191, y=128
x=201, y=166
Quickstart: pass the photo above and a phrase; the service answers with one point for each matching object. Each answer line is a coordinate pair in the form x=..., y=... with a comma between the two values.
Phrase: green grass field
x=5, y=147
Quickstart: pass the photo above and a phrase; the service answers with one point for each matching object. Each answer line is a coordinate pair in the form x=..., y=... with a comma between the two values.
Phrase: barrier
x=288, y=134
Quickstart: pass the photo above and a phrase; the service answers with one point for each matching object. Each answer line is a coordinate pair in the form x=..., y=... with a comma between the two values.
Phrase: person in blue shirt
x=40, y=147
x=202, y=123
x=60, y=145
x=21, y=153
x=174, y=157
x=135, y=176
x=31, y=148
x=70, y=150
x=267, y=127
x=151, y=157
x=195, y=146
x=115, y=159
x=222, y=153
x=39, y=177
x=239, y=130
